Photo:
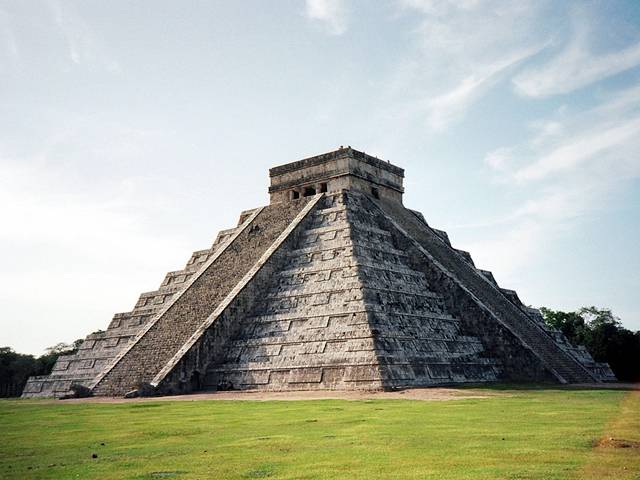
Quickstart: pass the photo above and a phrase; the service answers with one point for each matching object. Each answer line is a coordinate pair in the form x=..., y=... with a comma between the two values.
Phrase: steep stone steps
x=166, y=334
x=565, y=367
x=103, y=347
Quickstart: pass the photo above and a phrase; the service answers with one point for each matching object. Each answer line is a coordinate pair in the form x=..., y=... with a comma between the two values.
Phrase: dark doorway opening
x=323, y=188
x=296, y=195
x=374, y=192
x=309, y=191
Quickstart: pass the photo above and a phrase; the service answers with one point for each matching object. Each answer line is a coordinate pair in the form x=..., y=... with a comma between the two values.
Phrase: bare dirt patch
x=432, y=394
x=610, y=442
x=616, y=455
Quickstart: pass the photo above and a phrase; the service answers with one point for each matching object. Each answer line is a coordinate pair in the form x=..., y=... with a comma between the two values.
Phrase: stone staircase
x=458, y=267
x=99, y=349
x=166, y=334
x=598, y=370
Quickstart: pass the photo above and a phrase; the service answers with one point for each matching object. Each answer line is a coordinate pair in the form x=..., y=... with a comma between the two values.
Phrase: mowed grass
x=520, y=434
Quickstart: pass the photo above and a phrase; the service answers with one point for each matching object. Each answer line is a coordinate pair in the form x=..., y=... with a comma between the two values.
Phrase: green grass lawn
x=521, y=434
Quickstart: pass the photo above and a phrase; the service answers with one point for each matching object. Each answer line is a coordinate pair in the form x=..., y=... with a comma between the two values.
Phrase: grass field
x=516, y=434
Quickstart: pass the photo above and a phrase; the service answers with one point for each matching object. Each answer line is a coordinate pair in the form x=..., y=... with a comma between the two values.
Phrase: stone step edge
x=267, y=319
x=237, y=289
x=488, y=363
x=478, y=302
x=352, y=264
x=251, y=342
x=176, y=297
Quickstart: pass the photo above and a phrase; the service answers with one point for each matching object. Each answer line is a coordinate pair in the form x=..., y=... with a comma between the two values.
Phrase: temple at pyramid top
x=342, y=169
x=333, y=285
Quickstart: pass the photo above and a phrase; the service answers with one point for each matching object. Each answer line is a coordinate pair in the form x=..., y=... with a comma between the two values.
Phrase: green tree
x=571, y=324
x=15, y=367
x=601, y=332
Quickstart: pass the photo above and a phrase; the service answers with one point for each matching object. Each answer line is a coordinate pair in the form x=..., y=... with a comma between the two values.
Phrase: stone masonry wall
x=168, y=334
x=599, y=370
x=473, y=345
x=214, y=340
x=418, y=338
x=498, y=307
x=346, y=312
x=309, y=330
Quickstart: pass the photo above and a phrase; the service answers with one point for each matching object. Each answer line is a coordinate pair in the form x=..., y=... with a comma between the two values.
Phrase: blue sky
x=131, y=132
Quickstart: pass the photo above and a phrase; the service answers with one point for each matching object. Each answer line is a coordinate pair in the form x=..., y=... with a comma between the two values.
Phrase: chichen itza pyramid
x=333, y=285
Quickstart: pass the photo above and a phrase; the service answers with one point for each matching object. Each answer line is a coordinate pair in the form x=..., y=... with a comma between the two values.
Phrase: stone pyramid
x=333, y=285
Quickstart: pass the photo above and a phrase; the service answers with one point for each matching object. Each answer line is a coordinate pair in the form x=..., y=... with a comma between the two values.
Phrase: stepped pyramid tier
x=333, y=285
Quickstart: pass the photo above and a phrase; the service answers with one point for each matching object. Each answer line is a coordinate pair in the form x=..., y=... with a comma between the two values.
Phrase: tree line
x=601, y=332
x=16, y=368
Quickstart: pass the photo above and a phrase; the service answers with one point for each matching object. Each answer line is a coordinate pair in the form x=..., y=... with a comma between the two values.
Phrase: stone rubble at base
x=334, y=285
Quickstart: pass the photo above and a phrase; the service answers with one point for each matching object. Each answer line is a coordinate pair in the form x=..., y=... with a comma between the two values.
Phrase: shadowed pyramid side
x=166, y=335
x=483, y=305
x=418, y=339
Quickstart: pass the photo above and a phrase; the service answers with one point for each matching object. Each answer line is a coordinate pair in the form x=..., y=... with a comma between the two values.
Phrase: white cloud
x=545, y=130
x=442, y=7
x=448, y=107
x=499, y=255
x=581, y=148
x=83, y=46
x=513, y=243
x=331, y=13
x=569, y=141
x=576, y=66
x=9, y=51
x=565, y=171
x=71, y=258
x=621, y=102
x=510, y=244
x=499, y=158
x=464, y=49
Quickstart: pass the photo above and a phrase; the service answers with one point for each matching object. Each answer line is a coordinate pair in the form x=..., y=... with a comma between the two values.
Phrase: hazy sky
x=131, y=132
